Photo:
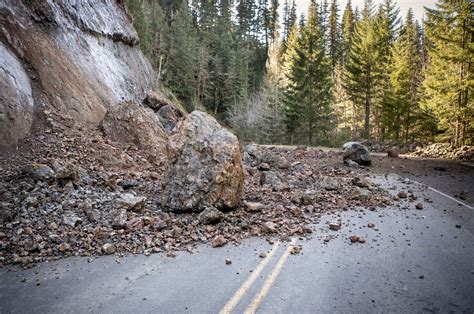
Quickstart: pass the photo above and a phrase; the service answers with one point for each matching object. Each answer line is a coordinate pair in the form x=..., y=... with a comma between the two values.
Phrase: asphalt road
x=412, y=261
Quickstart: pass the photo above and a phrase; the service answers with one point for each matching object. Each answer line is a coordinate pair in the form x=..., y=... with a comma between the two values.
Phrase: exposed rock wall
x=79, y=57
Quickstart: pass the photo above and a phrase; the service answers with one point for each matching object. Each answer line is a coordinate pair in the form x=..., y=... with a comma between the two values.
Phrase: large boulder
x=356, y=152
x=134, y=124
x=207, y=168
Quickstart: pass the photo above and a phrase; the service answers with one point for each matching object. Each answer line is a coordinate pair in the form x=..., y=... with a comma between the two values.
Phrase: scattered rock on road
x=402, y=194
x=356, y=238
x=219, y=241
x=335, y=226
x=109, y=248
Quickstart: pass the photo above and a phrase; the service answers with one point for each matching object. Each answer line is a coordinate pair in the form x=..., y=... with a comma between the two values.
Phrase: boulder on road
x=206, y=169
x=356, y=152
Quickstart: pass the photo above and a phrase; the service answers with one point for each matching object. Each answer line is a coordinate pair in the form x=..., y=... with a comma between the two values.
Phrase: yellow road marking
x=244, y=288
x=253, y=307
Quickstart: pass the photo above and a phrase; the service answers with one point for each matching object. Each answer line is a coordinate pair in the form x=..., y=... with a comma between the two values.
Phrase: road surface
x=412, y=261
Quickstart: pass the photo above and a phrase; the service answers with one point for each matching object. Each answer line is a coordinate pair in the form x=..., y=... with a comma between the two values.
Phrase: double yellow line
x=245, y=287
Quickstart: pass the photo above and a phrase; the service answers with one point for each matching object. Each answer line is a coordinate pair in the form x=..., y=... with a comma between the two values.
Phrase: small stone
x=402, y=194
x=330, y=184
x=132, y=202
x=269, y=227
x=63, y=247
x=228, y=262
x=458, y=226
x=295, y=211
x=419, y=206
x=219, y=241
x=262, y=255
x=361, y=182
x=253, y=206
x=210, y=215
x=335, y=226
x=109, y=248
x=40, y=172
x=296, y=250
x=370, y=225
x=354, y=238
x=264, y=166
x=71, y=219
x=120, y=220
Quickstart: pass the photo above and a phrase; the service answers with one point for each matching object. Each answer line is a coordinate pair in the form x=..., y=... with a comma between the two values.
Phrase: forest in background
x=322, y=78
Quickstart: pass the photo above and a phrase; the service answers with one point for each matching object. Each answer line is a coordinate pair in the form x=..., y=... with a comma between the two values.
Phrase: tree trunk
x=367, y=116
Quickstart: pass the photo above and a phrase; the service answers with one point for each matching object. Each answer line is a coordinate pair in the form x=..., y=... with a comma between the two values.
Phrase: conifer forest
x=322, y=78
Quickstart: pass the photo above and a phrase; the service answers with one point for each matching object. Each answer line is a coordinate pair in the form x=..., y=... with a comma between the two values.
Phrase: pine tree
x=334, y=34
x=405, y=78
x=448, y=84
x=309, y=82
x=386, y=26
x=273, y=127
x=364, y=66
x=180, y=76
x=347, y=31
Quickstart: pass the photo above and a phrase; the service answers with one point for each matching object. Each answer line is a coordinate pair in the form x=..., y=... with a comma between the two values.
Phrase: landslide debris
x=68, y=199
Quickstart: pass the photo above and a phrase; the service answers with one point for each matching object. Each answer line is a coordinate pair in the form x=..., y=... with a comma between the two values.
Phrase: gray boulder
x=356, y=152
x=206, y=169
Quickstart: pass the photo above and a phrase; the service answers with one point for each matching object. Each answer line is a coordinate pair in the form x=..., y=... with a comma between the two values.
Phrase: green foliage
x=448, y=84
x=326, y=78
x=308, y=82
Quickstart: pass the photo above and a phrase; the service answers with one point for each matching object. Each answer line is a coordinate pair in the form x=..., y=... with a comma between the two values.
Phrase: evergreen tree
x=448, y=84
x=334, y=34
x=180, y=76
x=347, y=31
x=364, y=66
x=291, y=99
x=309, y=81
x=405, y=79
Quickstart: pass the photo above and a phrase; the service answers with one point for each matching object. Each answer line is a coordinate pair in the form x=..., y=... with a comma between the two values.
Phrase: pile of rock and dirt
x=445, y=151
x=65, y=200
x=386, y=146
x=92, y=161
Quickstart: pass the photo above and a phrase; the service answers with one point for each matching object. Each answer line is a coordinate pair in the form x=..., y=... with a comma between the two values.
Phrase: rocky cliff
x=66, y=61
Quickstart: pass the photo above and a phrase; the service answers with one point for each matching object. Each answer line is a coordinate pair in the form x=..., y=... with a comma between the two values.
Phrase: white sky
x=416, y=5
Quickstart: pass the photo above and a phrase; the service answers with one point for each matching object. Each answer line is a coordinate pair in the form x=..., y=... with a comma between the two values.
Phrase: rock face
x=67, y=61
x=356, y=152
x=134, y=124
x=207, y=167
x=16, y=100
